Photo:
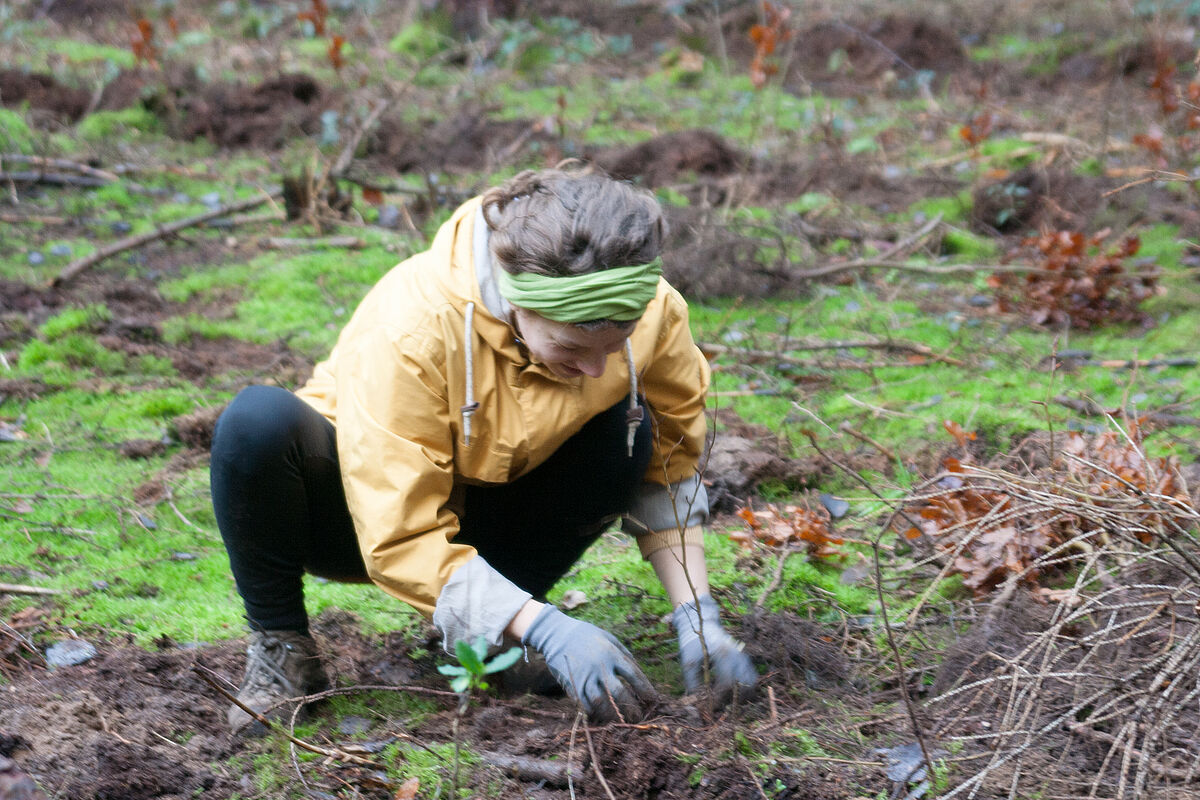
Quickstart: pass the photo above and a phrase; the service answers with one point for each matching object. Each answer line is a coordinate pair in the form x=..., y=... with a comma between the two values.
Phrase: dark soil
x=45, y=94
x=467, y=141
x=141, y=725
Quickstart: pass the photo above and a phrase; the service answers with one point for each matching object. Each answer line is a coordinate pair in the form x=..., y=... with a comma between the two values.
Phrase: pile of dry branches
x=1087, y=685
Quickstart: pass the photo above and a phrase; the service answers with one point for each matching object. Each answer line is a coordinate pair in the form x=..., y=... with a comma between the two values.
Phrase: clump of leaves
x=767, y=36
x=316, y=16
x=1174, y=136
x=1074, y=281
x=471, y=669
x=991, y=526
x=778, y=526
x=145, y=51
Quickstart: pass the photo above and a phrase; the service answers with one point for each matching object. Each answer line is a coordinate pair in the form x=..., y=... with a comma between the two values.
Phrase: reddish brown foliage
x=977, y=129
x=990, y=531
x=143, y=47
x=766, y=36
x=1075, y=283
x=1173, y=135
x=776, y=527
x=335, y=52
x=317, y=16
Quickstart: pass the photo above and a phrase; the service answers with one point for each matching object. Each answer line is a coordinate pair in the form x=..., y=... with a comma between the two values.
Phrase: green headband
x=619, y=293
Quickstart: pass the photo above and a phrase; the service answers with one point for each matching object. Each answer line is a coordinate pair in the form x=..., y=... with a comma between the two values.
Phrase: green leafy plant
x=471, y=669
x=468, y=675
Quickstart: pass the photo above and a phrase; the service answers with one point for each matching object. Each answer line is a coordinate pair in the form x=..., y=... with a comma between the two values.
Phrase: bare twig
x=322, y=242
x=587, y=734
x=209, y=677
x=17, y=588
x=81, y=265
x=711, y=348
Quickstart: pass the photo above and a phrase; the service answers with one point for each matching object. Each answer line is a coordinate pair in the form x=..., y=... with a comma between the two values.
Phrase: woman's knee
x=264, y=424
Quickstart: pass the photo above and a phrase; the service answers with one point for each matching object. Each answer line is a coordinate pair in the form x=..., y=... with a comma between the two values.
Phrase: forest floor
x=1062, y=663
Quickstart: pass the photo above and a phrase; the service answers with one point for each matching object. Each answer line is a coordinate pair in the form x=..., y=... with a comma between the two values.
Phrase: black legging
x=277, y=493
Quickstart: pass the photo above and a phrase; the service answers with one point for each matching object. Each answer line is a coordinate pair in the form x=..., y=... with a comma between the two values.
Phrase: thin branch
x=81, y=265
x=208, y=677
x=587, y=734
x=17, y=588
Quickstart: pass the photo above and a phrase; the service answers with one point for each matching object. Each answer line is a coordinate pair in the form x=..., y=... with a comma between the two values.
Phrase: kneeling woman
x=494, y=404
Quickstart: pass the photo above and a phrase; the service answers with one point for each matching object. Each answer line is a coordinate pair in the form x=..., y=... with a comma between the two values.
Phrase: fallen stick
x=534, y=770
x=87, y=181
x=18, y=219
x=286, y=243
x=771, y=355
x=81, y=265
x=17, y=588
x=60, y=164
x=1091, y=409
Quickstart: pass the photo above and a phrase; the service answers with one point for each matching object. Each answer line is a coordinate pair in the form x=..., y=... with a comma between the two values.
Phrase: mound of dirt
x=742, y=456
x=466, y=141
x=843, y=57
x=82, y=12
x=662, y=160
x=265, y=115
x=128, y=724
x=42, y=92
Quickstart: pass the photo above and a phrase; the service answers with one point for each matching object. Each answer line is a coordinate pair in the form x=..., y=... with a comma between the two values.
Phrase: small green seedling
x=470, y=675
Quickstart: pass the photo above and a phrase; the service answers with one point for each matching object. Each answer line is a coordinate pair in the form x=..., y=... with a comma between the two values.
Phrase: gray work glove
x=591, y=665
x=729, y=668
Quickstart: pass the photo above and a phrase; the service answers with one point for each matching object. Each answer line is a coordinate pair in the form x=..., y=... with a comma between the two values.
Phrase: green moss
x=74, y=319
x=953, y=210
x=128, y=123
x=70, y=350
x=81, y=51
x=969, y=246
x=423, y=38
x=15, y=134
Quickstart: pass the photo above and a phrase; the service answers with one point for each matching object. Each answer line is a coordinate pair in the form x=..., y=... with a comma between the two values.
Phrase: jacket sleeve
x=672, y=503
x=396, y=451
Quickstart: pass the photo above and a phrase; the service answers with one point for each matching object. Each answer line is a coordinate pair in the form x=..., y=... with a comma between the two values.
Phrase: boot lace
x=265, y=659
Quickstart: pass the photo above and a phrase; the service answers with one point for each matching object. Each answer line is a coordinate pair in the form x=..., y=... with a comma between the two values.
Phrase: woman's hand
x=591, y=665
x=729, y=668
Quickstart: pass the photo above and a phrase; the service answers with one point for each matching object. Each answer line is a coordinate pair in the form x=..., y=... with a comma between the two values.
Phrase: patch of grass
x=969, y=246
x=152, y=570
x=953, y=210
x=74, y=319
x=80, y=51
x=431, y=764
x=282, y=296
x=1002, y=394
x=128, y=123
x=69, y=353
x=397, y=708
x=15, y=134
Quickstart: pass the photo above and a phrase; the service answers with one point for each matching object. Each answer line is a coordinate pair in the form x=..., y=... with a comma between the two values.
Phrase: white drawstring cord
x=470, y=406
x=634, y=415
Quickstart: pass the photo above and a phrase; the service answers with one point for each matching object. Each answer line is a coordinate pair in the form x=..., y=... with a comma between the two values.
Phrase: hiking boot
x=280, y=665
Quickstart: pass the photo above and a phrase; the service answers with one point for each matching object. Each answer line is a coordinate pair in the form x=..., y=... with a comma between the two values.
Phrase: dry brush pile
x=1081, y=675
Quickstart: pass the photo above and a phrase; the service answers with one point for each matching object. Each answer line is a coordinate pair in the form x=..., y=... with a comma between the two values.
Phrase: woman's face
x=569, y=350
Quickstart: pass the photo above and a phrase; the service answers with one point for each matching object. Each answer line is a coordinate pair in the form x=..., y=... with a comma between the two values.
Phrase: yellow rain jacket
x=406, y=364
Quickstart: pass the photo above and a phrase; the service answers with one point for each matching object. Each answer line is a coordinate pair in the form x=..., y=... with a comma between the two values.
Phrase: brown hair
x=559, y=222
